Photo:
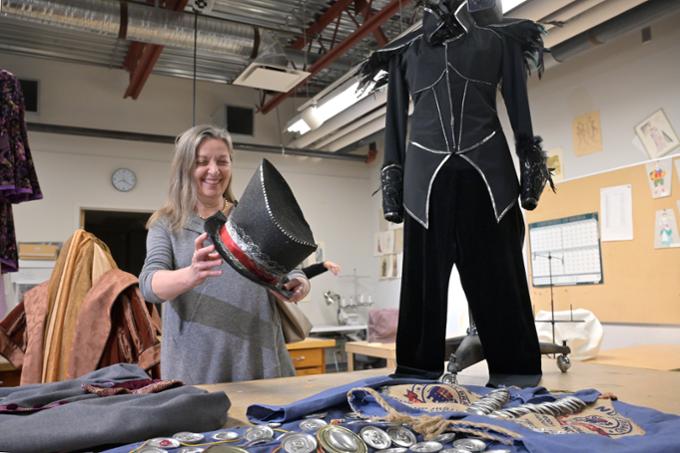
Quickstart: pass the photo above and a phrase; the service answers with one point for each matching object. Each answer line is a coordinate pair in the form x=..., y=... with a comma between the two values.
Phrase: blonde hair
x=181, y=200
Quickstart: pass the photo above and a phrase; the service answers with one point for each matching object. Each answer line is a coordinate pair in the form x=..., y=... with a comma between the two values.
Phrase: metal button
x=298, y=443
x=430, y=446
x=188, y=437
x=226, y=435
x=401, y=436
x=445, y=438
x=257, y=433
x=375, y=437
x=338, y=439
x=393, y=450
x=151, y=450
x=163, y=442
x=312, y=425
x=469, y=444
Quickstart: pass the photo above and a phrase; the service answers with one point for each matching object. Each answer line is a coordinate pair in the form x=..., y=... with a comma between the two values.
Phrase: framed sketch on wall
x=656, y=134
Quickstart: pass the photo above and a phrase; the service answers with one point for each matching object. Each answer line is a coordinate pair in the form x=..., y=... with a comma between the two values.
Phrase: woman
x=217, y=325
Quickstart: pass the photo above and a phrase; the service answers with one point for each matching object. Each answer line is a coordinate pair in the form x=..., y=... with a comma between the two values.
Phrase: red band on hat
x=244, y=259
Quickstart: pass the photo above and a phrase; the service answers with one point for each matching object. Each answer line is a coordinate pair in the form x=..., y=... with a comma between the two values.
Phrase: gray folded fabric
x=86, y=420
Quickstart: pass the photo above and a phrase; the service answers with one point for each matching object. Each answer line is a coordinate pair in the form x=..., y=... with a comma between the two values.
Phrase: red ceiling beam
x=141, y=58
x=371, y=24
x=331, y=14
x=363, y=7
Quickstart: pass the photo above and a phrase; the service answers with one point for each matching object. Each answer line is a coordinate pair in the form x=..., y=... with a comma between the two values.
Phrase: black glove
x=392, y=183
x=534, y=172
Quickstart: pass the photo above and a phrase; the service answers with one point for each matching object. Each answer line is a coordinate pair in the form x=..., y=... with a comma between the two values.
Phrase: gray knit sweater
x=225, y=329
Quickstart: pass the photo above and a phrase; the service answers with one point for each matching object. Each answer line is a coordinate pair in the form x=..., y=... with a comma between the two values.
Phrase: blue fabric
x=661, y=430
x=262, y=413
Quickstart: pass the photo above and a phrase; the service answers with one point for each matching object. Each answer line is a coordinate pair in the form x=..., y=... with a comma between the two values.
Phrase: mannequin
x=454, y=186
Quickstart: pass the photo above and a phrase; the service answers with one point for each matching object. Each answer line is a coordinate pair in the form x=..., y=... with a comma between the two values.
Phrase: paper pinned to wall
x=666, y=231
x=660, y=177
x=616, y=210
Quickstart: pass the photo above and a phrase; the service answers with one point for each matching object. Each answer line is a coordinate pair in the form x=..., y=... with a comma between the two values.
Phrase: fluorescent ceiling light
x=510, y=4
x=300, y=127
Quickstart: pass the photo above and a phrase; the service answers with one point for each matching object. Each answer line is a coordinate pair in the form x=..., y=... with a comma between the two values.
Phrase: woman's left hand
x=299, y=288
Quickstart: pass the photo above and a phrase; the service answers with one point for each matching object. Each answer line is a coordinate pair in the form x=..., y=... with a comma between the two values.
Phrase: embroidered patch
x=432, y=397
x=600, y=419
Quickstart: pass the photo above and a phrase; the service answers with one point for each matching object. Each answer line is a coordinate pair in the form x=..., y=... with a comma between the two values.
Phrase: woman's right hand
x=204, y=262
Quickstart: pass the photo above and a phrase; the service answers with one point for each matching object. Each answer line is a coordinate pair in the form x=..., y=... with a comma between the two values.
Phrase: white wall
x=74, y=172
x=625, y=81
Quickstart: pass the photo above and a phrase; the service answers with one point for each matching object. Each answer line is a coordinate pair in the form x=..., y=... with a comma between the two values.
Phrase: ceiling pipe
x=632, y=19
x=371, y=24
x=138, y=22
x=168, y=139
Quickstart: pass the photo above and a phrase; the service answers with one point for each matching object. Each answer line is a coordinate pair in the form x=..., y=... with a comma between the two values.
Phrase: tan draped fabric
x=71, y=279
x=89, y=315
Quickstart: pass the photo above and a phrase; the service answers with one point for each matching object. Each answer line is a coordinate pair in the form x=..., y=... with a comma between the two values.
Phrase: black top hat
x=266, y=234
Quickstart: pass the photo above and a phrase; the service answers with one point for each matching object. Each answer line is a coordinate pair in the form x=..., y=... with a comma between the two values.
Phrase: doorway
x=124, y=232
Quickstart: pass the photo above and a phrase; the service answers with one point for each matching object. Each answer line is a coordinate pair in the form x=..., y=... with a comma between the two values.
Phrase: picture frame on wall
x=657, y=135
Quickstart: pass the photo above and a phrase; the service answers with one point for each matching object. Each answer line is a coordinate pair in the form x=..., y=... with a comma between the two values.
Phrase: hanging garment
x=18, y=179
x=87, y=316
x=460, y=189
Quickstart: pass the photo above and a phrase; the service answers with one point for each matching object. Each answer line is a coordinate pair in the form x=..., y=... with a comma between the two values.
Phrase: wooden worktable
x=651, y=388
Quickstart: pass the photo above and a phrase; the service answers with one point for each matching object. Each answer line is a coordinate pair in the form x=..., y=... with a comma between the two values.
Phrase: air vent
x=240, y=120
x=269, y=77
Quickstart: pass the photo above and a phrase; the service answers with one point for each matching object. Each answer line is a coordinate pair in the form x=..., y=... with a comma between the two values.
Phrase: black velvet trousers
x=488, y=254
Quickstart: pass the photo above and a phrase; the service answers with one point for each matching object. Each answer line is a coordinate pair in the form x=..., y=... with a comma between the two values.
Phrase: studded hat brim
x=215, y=227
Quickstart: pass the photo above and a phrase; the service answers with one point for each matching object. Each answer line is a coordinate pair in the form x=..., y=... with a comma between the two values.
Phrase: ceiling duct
x=138, y=22
x=632, y=19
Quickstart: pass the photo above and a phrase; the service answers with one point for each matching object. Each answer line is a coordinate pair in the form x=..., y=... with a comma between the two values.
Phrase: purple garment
x=18, y=180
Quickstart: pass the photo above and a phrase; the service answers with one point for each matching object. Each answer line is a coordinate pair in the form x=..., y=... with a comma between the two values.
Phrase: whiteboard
x=566, y=251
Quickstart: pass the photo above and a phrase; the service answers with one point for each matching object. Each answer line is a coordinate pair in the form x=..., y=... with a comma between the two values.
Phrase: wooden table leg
x=350, y=361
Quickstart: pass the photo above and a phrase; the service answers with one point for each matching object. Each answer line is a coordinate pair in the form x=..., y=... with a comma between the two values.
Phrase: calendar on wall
x=566, y=251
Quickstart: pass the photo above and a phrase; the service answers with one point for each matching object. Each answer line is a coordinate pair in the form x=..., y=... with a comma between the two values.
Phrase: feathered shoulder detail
x=379, y=59
x=529, y=35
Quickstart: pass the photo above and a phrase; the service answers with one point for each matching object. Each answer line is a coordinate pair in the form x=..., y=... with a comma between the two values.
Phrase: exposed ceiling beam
x=370, y=25
x=331, y=14
x=141, y=57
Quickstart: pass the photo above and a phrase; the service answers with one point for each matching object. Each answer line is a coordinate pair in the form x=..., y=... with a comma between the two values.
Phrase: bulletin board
x=565, y=251
x=641, y=283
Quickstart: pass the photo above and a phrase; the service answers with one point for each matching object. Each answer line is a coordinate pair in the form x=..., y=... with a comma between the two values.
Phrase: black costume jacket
x=451, y=72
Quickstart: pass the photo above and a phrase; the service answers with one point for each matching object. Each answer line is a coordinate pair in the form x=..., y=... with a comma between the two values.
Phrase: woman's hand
x=298, y=286
x=204, y=262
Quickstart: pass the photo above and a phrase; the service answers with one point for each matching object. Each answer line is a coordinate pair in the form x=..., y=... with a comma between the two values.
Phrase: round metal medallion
x=393, y=450
x=151, y=450
x=221, y=448
x=445, y=438
x=338, y=439
x=189, y=438
x=312, y=425
x=375, y=437
x=226, y=435
x=454, y=450
x=298, y=443
x=470, y=444
x=163, y=442
x=401, y=436
x=261, y=432
x=429, y=446
x=274, y=424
